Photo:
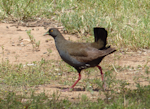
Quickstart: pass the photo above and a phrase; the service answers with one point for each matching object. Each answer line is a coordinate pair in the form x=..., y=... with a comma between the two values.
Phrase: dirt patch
x=17, y=48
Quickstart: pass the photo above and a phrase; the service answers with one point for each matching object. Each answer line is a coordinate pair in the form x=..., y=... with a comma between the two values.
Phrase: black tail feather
x=100, y=34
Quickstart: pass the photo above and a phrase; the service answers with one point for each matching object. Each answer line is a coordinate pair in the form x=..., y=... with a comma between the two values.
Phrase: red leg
x=69, y=89
x=102, y=75
x=76, y=81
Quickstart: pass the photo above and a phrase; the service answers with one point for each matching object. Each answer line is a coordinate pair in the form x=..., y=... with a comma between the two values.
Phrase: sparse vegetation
x=49, y=51
x=35, y=44
x=127, y=22
x=17, y=79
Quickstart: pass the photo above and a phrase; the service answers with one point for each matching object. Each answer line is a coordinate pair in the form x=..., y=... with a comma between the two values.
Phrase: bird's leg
x=69, y=89
x=102, y=75
x=76, y=81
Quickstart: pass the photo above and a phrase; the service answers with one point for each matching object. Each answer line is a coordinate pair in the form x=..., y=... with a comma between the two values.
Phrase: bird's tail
x=108, y=50
x=100, y=35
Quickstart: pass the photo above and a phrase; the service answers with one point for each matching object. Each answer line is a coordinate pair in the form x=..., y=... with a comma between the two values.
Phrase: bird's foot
x=104, y=87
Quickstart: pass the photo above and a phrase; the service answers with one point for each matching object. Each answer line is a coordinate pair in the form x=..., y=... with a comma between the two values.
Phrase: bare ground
x=17, y=48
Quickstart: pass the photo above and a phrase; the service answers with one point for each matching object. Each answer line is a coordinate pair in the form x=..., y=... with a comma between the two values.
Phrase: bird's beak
x=47, y=33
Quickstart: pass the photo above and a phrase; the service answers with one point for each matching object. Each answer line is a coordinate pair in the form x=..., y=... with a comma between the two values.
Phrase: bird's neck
x=60, y=42
x=59, y=39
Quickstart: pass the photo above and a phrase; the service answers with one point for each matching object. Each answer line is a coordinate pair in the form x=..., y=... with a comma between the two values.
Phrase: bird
x=82, y=55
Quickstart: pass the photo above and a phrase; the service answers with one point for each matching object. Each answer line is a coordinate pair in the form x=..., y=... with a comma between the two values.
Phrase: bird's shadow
x=77, y=89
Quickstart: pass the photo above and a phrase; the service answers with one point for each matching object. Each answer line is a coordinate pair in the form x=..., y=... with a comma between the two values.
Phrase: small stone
x=118, y=91
x=31, y=64
x=26, y=40
x=23, y=45
x=59, y=74
x=19, y=30
x=109, y=98
x=13, y=44
x=139, y=51
x=44, y=52
x=20, y=39
x=45, y=28
x=18, y=44
x=46, y=40
x=57, y=69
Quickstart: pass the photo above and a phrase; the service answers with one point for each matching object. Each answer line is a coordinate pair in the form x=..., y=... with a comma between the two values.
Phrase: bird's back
x=84, y=55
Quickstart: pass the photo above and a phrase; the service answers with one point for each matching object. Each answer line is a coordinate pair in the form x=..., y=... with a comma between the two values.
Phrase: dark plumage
x=82, y=55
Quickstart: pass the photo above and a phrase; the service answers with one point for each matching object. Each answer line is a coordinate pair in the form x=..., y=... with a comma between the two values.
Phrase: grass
x=127, y=22
x=41, y=101
x=19, y=82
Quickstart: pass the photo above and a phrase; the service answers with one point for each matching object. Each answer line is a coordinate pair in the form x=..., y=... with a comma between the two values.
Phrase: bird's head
x=53, y=32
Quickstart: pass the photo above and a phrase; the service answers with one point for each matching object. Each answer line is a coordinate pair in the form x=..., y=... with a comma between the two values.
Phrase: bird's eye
x=51, y=30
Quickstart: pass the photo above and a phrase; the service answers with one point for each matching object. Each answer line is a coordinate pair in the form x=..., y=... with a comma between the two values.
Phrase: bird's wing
x=78, y=53
x=90, y=54
x=77, y=49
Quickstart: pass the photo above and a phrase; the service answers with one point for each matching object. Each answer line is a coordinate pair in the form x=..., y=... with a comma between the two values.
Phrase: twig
x=115, y=68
